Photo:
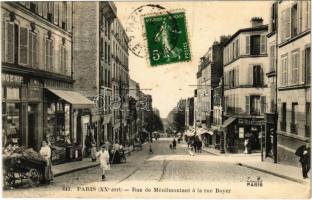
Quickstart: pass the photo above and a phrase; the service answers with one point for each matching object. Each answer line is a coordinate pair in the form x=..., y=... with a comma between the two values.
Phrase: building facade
x=245, y=86
x=208, y=77
x=91, y=57
x=293, y=78
x=120, y=79
x=38, y=100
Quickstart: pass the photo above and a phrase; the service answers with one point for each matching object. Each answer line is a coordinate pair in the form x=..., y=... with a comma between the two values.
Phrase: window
x=283, y=117
x=33, y=50
x=263, y=104
x=284, y=70
x=272, y=58
x=257, y=76
x=273, y=17
x=308, y=120
x=295, y=67
x=294, y=112
x=105, y=76
x=105, y=53
x=49, y=54
x=23, y=46
x=286, y=24
x=64, y=13
x=294, y=20
x=50, y=11
x=307, y=64
x=255, y=44
x=255, y=105
x=56, y=13
x=33, y=7
x=11, y=42
x=247, y=104
x=63, y=55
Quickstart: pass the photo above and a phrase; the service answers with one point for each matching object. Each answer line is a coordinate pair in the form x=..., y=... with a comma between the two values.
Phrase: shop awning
x=201, y=131
x=190, y=132
x=77, y=100
x=227, y=122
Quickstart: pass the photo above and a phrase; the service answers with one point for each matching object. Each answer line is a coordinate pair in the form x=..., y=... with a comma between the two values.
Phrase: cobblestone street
x=165, y=168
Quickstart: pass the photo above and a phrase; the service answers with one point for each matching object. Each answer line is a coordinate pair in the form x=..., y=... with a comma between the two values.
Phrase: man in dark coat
x=304, y=152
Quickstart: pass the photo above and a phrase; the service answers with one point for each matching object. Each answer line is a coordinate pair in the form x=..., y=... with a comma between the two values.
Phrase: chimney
x=256, y=21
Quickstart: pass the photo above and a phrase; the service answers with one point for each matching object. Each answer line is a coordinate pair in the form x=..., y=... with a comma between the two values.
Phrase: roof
x=257, y=28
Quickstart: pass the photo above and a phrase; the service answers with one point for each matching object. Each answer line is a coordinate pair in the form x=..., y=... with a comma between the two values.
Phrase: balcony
x=283, y=126
x=307, y=131
x=293, y=128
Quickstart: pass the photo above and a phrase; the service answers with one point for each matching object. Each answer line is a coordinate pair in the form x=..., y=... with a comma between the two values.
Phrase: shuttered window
x=247, y=45
x=23, y=46
x=237, y=77
x=284, y=71
x=33, y=50
x=263, y=104
x=49, y=54
x=10, y=42
x=295, y=67
x=63, y=60
x=3, y=29
x=307, y=57
x=247, y=104
x=286, y=24
x=263, y=42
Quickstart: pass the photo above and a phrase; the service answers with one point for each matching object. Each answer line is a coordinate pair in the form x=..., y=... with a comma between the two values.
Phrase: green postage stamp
x=167, y=38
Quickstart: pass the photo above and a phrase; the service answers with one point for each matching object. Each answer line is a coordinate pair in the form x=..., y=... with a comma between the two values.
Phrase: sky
x=206, y=22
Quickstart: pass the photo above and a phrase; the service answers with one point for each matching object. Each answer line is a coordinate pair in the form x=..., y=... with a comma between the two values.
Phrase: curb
x=273, y=173
x=76, y=169
x=216, y=154
x=81, y=168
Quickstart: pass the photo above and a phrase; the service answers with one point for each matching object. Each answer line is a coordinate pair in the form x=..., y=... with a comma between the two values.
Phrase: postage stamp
x=167, y=38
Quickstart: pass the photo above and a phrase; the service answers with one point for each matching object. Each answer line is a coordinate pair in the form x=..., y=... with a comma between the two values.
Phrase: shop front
x=21, y=111
x=63, y=114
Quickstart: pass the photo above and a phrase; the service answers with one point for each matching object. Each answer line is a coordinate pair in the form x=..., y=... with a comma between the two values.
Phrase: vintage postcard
x=167, y=99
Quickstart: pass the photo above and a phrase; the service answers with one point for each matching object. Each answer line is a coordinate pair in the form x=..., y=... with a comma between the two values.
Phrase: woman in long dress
x=103, y=156
x=45, y=151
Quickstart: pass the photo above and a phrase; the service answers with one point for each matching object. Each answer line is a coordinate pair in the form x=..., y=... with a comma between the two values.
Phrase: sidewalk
x=86, y=163
x=253, y=161
x=288, y=172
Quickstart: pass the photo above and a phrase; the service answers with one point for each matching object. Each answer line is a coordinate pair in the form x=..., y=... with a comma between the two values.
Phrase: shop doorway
x=32, y=126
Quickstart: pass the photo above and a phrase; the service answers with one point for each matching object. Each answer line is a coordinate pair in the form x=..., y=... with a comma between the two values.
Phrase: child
x=103, y=156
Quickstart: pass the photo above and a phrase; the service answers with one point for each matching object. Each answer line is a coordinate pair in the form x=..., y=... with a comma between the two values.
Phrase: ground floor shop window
x=11, y=123
x=58, y=123
x=11, y=116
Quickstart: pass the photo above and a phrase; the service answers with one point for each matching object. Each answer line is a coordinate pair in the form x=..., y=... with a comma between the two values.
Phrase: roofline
x=258, y=28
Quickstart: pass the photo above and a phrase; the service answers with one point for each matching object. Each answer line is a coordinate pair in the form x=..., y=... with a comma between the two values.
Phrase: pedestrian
x=150, y=149
x=170, y=146
x=174, y=143
x=246, y=146
x=304, y=152
x=93, y=151
x=200, y=144
x=103, y=156
x=45, y=151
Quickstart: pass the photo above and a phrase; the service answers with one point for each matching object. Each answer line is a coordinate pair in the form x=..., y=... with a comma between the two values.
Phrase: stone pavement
x=86, y=163
x=253, y=161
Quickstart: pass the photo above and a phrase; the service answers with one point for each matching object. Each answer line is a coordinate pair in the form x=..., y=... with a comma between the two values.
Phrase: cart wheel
x=34, y=177
x=9, y=179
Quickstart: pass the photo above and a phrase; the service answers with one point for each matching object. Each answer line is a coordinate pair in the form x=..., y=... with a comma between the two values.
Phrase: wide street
x=168, y=172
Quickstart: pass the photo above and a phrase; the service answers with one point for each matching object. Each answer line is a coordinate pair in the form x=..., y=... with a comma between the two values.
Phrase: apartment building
x=120, y=79
x=245, y=86
x=92, y=63
x=38, y=101
x=208, y=77
x=293, y=77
